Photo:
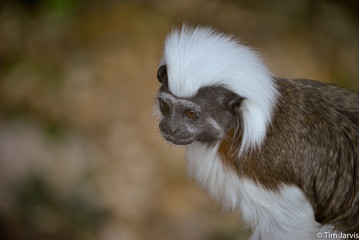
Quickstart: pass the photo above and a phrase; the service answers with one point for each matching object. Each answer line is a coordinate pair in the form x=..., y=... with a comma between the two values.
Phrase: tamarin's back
x=312, y=142
x=342, y=100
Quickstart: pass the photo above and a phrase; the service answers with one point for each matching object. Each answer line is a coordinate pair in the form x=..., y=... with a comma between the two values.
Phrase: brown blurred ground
x=80, y=154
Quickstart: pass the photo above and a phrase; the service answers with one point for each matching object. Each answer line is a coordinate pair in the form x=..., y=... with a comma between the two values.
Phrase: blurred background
x=80, y=153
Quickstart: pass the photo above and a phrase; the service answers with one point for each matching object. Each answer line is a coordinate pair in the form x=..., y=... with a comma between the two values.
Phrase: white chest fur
x=282, y=215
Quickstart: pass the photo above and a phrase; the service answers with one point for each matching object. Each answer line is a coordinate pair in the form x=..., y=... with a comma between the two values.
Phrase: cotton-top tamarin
x=283, y=153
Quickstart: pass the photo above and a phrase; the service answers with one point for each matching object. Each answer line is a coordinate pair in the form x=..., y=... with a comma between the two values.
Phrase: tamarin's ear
x=235, y=103
x=162, y=74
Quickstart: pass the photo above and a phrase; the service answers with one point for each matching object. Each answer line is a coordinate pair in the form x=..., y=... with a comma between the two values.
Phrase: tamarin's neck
x=250, y=165
x=268, y=164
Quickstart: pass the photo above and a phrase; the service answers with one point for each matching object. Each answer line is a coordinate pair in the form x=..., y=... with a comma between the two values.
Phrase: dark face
x=205, y=117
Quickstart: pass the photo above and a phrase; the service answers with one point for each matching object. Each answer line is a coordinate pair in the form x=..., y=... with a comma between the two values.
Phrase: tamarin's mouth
x=178, y=141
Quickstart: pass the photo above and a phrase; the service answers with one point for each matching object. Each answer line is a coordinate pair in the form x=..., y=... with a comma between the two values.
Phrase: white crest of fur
x=202, y=57
x=282, y=215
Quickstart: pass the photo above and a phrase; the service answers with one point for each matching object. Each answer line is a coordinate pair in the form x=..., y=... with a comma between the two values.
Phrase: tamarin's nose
x=174, y=130
x=168, y=128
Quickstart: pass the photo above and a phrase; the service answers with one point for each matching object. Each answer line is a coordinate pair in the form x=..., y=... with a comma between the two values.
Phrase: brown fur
x=313, y=143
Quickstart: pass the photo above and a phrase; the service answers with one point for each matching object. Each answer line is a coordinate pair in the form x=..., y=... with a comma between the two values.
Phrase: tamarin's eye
x=191, y=113
x=163, y=106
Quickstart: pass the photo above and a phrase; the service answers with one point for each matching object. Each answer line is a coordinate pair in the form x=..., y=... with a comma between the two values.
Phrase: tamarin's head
x=204, y=117
x=209, y=84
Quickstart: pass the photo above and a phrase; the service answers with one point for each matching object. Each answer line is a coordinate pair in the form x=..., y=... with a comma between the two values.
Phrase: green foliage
x=40, y=211
x=60, y=8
